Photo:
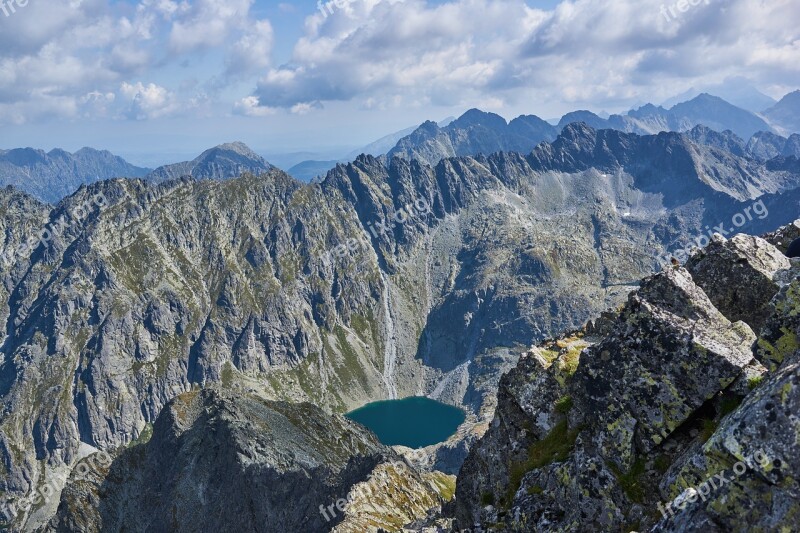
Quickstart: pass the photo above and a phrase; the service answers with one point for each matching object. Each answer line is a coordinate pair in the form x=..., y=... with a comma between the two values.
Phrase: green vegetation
x=709, y=427
x=487, y=498
x=535, y=490
x=144, y=437
x=754, y=382
x=351, y=369
x=662, y=463
x=632, y=482
x=554, y=448
x=227, y=374
x=729, y=404
x=446, y=485
x=564, y=404
x=570, y=360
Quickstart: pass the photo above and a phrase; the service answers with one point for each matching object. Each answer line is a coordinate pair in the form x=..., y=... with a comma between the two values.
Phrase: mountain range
x=51, y=176
x=478, y=132
x=389, y=278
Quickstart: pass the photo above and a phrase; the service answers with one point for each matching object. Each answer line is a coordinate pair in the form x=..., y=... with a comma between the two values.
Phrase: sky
x=160, y=80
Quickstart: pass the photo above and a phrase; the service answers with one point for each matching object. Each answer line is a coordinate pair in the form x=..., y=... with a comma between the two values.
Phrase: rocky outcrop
x=780, y=335
x=738, y=275
x=239, y=463
x=664, y=396
x=783, y=237
x=744, y=478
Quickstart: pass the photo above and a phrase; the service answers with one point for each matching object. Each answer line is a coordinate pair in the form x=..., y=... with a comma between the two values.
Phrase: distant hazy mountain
x=738, y=91
x=587, y=117
x=382, y=145
x=786, y=113
x=308, y=169
x=479, y=132
x=50, y=176
x=726, y=140
x=762, y=146
x=708, y=110
x=222, y=162
x=473, y=133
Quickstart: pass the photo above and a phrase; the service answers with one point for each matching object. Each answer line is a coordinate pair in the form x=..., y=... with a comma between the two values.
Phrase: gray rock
x=737, y=275
x=218, y=462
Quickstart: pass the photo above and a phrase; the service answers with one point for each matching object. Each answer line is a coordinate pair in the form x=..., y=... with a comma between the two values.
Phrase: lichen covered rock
x=665, y=394
x=737, y=275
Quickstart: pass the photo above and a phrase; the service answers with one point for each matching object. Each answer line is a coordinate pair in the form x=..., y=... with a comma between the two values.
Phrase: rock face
x=53, y=175
x=744, y=478
x=620, y=426
x=385, y=280
x=737, y=275
x=222, y=162
x=218, y=462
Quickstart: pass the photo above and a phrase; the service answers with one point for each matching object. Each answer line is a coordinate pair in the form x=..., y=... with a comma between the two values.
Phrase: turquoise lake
x=413, y=422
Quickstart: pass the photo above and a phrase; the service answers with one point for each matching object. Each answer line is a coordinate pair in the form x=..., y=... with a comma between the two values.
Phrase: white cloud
x=252, y=51
x=208, y=23
x=382, y=55
x=54, y=53
x=582, y=52
x=248, y=106
x=148, y=101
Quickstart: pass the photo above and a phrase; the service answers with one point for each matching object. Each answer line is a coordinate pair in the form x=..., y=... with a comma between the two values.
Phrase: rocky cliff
x=674, y=413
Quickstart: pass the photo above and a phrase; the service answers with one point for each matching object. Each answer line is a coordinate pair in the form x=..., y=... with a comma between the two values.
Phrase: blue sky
x=156, y=80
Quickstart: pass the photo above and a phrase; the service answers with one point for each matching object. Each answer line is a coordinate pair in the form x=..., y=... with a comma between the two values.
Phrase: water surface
x=413, y=422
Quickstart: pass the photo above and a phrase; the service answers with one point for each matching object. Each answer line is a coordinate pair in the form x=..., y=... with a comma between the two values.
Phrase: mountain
x=763, y=146
x=222, y=162
x=385, y=280
x=786, y=113
x=705, y=109
x=242, y=460
x=658, y=415
x=50, y=176
x=475, y=132
x=586, y=117
x=738, y=91
x=726, y=140
x=311, y=169
x=382, y=145
x=478, y=132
